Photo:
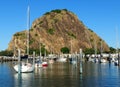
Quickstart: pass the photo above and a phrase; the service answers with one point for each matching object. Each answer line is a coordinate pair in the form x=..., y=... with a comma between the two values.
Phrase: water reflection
x=24, y=80
x=57, y=75
x=100, y=75
x=62, y=75
x=6, y=77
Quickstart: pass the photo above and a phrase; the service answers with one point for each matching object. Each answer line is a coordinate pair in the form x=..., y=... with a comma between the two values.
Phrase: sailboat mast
x=71, y=47
x=117, y=42
x=28, y=27
x=95, y=48
x=40, y=47
x=101, y=49
x=117, y=47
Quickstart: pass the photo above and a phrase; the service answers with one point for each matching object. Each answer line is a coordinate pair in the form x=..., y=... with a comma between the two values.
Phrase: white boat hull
x=103, y=60
x=62, y=60
x=25, y=68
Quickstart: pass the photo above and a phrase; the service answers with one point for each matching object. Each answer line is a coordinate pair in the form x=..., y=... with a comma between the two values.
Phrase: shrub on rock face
x=65, y=50
x=89, y=51
x=51, y=31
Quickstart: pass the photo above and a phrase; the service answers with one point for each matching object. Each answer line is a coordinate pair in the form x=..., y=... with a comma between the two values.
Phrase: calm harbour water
x=62, y=75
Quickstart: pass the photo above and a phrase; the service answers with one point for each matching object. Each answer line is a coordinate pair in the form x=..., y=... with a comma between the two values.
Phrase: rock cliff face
x=55, y=30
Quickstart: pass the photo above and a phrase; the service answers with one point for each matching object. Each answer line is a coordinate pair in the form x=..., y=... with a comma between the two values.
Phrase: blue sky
x=102, y=16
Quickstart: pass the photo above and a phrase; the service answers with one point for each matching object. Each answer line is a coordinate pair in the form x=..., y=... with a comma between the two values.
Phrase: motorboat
x=62, y=59
x=44, y=64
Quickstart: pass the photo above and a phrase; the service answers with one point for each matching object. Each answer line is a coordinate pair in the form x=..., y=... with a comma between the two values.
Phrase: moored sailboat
x=25, y=66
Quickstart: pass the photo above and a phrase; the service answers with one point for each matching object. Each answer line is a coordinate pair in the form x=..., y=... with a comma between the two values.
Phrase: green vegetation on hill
x=65, y=50
x=55, y=11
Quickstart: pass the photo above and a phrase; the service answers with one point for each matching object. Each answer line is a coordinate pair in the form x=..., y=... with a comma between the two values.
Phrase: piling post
x=76, y=58
x=34, y=59
x=81, y=71
x=19, y=62
x=118, y=59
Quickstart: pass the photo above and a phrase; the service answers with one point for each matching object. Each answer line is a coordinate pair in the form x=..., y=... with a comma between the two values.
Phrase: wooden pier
x=7, y=59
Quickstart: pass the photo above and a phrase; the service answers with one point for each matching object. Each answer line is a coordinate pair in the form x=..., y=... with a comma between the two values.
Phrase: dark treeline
x=64, y=50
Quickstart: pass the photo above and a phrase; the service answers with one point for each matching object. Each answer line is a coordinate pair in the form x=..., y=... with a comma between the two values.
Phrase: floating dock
x=7, y=59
